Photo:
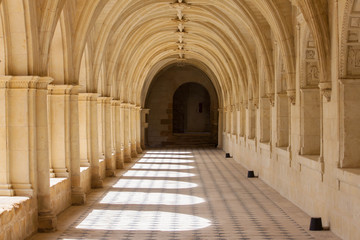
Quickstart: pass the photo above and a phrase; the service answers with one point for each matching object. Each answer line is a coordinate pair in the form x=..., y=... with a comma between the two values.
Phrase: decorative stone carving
x=353, y=60
x=312, y=73
x=271, y=97
x=292, y=96
x=325, y=90
x=310, y=54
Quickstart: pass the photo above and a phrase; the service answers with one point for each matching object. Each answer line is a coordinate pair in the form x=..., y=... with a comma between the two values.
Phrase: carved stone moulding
x=271, y=97
x=292, y=96
x=325, y=90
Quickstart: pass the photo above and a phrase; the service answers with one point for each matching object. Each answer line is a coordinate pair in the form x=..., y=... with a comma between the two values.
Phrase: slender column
x=5, y=183
x=101, y=126
x=220, y=128
x=138, y=129
x=47, y=219
x=144, y=125
x=78, y=196
x=107, y=122
x=21, y=113
x=133, y=130
x=59, y=131
x=127, y=143
x=89, y=148
x=118, y=137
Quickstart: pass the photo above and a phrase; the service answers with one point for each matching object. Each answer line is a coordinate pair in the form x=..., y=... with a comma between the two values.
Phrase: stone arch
x=3, y=50
x=349, y=85
x=310, y=109
x=160, y=118
x=21, y=37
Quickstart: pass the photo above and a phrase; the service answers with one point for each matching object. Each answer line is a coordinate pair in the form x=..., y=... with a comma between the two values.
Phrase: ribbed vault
x=115, y=47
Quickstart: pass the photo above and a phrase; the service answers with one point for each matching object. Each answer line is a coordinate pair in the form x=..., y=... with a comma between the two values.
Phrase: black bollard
x=251, y=174
x=316, y=224
x=227, y=155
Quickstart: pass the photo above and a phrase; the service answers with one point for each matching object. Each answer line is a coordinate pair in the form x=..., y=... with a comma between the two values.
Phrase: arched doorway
x=183, y=108
x=191, y=109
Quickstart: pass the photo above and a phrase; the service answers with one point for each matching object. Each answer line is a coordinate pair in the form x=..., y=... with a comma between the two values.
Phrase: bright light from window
x=142, y=220
x=159, y=174
x=161, y=166
x=150, y=198
x=145, y=183
x=164, y=160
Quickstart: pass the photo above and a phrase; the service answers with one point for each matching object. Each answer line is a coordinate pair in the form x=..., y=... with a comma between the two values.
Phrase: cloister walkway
x=184, y=194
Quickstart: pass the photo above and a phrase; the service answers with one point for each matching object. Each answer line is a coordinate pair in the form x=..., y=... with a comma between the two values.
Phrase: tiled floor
x=185, y=194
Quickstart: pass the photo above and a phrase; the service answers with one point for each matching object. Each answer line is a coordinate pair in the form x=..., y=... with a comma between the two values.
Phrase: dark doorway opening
x=191, y=109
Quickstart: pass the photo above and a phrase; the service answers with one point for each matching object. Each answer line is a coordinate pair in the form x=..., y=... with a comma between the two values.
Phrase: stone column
x=78, y=196
x=118, y=138
x=138, y=129
x=5, y=181
x=127, y=143
x=133, y=130
x=47, y=219
x=101, y=126
x=107, y=136
x=59, y=131
x=220, y=128
x=144, y=125
x=89, y=148
x=21, y=117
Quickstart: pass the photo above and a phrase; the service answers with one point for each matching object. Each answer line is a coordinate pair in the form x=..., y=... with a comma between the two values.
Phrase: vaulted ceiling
x=116, y=47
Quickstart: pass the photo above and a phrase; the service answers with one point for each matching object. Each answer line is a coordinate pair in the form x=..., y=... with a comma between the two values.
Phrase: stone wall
x=85, y=179
x=18, y=217
x=60, y=194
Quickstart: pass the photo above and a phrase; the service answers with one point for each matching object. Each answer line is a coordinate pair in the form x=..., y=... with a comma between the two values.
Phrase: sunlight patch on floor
x=164, y=160
x=150, y=198
x=142, y=220
x=159, y=174
x=146, y=183
x=161, y=166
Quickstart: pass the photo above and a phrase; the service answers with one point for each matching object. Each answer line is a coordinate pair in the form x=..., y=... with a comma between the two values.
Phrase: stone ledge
x=349, y=175
x=311, y=162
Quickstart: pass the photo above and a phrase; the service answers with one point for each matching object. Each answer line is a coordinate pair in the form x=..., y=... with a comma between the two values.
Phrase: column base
x=6, y=190
x=84, y=163
x=138, y=149
x=61, y=173
x=96, y=182
x=110, y=173
x=23, y=190
x=133, y=153
x=127, y=159
x=47, y=222
x=52, y=174
x=78, y=196
x=119, y=161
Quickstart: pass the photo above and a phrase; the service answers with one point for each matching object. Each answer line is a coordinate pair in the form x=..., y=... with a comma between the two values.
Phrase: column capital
x=24, y=82
x=88, y=96
x=105, y=100
x=115, y=102
x=59, y=89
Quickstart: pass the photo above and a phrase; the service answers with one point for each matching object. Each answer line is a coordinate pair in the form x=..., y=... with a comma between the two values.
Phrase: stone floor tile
x=184, y=194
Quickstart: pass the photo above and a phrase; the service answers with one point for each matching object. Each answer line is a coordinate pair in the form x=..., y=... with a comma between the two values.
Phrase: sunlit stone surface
x=161, y=166
x=141, y=220
x=158, y=174
x=150, y=198
x=164, y=160
x=164, y=184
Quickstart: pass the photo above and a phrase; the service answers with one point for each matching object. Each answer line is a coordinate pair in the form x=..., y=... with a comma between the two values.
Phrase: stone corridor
x=184, y=194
